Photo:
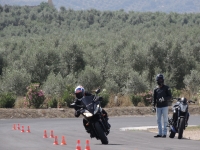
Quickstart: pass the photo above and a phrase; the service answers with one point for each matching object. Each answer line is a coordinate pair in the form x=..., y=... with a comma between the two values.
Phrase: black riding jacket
x=161, y=96
x=78, y=102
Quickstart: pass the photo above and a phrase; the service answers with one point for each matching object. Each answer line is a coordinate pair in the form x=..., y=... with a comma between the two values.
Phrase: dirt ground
x=192, y=134
x=69, y=112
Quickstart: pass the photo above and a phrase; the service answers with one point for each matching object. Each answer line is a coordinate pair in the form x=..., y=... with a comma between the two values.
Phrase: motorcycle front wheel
x=181, y=128
x=101, y=133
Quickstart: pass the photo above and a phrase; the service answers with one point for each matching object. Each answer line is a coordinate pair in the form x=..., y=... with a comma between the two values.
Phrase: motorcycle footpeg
x=109, y=126
x=107, y=132
x=92, y=136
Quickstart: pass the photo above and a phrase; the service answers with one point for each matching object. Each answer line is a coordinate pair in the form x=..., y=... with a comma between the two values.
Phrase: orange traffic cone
x=87, y=147
x=45, y=134
x=28, y=130
x=55, y=141
x=63, y=141
x=51, y=135
x=22, y=129
x=18, y=127
x=78, y=145
x=14, y=127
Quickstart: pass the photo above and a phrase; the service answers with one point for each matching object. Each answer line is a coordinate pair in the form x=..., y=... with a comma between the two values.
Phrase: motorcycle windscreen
x=88, y=102
x=183, y=107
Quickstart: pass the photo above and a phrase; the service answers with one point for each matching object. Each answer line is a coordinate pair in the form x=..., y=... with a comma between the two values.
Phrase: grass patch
x=192, y=128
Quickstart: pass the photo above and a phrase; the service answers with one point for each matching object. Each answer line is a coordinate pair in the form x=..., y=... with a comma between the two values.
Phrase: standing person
x=161, y=96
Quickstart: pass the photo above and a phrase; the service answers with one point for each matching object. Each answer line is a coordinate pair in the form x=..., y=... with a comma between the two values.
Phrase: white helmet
x=79, y=92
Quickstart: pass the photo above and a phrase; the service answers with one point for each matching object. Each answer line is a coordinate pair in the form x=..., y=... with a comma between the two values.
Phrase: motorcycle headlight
x=184, y=108
x=87, y=113
x=96, y=109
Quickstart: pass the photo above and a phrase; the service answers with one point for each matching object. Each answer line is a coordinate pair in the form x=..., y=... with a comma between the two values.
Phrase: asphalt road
x=73, y=130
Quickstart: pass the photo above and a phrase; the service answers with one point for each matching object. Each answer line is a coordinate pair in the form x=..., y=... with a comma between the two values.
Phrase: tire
x=181, y=128
x=172, y=134
x=101, y=133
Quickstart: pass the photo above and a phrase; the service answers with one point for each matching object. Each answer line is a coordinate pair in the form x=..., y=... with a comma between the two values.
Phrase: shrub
x=175, y=92
x=136, y=99
x=35, y=97
x=124, y=100
x=61, y=102
x=119, y=100
x=105, y=96
x=7, y=100
x=112, y=101
x=20, y=102
x=52, y=103
x=146, y=98
x=67, y=97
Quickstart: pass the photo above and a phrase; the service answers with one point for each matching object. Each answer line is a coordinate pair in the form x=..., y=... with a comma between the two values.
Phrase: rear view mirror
x=97, y=91
x=72, y=105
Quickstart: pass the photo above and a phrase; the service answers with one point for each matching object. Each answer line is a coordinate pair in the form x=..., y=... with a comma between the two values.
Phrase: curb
x=143, y=128
x=137, y=128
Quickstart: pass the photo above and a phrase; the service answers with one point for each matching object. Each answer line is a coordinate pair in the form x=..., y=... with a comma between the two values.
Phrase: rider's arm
x=77, y=112
x=87, y=93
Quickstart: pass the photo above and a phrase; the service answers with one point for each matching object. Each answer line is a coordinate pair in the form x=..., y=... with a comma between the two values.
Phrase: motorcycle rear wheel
x=101, y=133
x=181, y=128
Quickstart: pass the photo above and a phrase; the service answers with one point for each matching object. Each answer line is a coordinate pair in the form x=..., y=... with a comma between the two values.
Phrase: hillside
x=118, y=51
x=180, y=6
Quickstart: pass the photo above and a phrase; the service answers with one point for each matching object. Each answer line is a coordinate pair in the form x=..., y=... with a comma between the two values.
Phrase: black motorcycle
x=180, y=117
x=92, y=113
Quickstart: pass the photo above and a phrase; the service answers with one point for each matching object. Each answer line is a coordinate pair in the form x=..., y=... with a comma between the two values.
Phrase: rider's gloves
x=154, y=110
x=77, y=113
x=161, y=99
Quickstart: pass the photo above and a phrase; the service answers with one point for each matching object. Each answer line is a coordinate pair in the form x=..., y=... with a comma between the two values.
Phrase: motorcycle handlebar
x=178, y=99
x=190, y=101
x=81, y=110
x=97, y=91
x=174, y=98
x=74, y=105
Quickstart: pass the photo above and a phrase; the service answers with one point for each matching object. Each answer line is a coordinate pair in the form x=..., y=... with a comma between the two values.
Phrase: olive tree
x=14, y=80
x=192, y=81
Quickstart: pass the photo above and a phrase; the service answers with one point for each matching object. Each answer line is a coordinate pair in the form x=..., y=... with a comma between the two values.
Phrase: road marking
x=142, y=128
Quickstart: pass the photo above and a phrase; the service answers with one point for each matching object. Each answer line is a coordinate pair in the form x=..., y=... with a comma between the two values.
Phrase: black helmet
x=184, y=100
x=160, y=79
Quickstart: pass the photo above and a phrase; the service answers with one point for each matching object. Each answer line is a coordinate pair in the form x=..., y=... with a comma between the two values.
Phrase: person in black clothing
x=79, y=93
x=161, y=97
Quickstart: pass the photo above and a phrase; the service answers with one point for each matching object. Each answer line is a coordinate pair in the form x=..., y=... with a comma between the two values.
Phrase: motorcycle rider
x=80, y=93
x=161, y=96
